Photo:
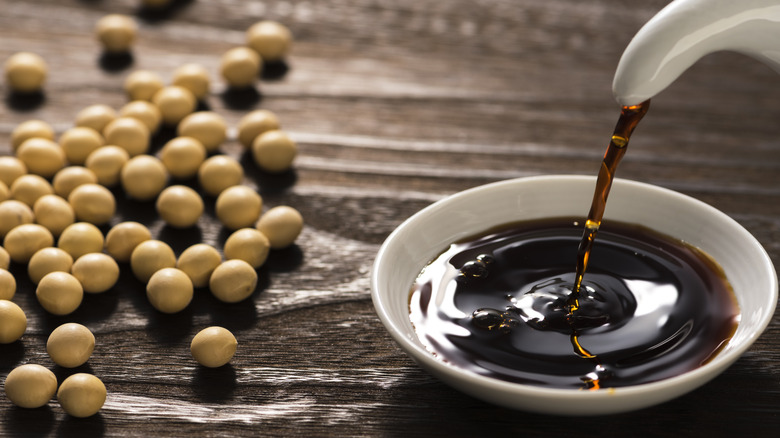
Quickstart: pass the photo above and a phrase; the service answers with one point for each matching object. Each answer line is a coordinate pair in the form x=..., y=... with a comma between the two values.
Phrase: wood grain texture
x=394, y=104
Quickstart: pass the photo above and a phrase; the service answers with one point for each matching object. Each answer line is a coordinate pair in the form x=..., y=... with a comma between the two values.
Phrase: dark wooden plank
x=394, y=104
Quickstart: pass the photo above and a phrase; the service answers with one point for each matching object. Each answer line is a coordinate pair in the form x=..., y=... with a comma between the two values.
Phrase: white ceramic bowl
x=415, y=242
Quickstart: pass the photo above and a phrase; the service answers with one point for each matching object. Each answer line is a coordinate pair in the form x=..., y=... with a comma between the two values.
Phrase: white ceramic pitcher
x=686, y=30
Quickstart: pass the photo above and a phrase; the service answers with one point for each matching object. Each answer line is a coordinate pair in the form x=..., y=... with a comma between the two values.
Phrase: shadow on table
x=268, y=184
x=180, y=239
x=115, y=62
x=25, y=101
x=232, y=316
x=214, y=384
x=241, y=98
x=10, y=356
x=274, y=70
x=160, y=13
x=93, y=308
x=285, y=259
x=169, y=329
x=40, y=422
x=724, y=407
x=63, y=373
x=30, y=423
x=93, y=426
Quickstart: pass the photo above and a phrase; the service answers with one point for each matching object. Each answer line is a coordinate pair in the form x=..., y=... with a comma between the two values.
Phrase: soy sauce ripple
x=652, y=307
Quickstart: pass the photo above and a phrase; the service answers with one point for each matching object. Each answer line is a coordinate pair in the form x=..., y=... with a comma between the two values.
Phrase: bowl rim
x=452, y=373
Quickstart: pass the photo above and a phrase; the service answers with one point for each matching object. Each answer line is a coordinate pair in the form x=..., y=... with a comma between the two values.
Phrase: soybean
x=7, y=284
x=48, y=260
x=144, y=111
x=29, y=188
x=143, y=177
x=270, y=39
x=71, y=177
x=116, y=32
x=78, y=142
x=95, y=116
x=5, y=259
x=81, y=238
x=106, y=163
x=31, y=129
x=238, y=207
x=182, y=156
x=233, y=281
x=12, y=214
x=149, y=257
x=41, y=156
x=70, y=345
x=30, y=386
x=249, y=245
x=128, y=133
x=193, y=77
x=54, y=213
x=97, y=272
x=281, y=225
x=198, y=262
x=218, y=173
x=240, y=67
x=92, y=203
x=82, y=395
x=123, y=237
x=25, y=72
x=213, y=346
x=11, y=168
x=255, y=123
x=179, y=206
x=25, y=240
x=174, y=103
x=274, y=151
x=169, y=290
x=59, y=293
x=208, y=127
x=13, y=322
x=142, y=84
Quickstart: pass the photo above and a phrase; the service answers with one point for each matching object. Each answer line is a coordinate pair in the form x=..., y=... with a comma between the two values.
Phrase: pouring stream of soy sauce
x=629, y=119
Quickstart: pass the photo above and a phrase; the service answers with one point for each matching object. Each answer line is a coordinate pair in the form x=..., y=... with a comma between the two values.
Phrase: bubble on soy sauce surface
x=485, y=258
x=493, y=319
x=474, y=269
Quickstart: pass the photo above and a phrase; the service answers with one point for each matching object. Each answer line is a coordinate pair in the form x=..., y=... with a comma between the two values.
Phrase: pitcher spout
x=685, y=31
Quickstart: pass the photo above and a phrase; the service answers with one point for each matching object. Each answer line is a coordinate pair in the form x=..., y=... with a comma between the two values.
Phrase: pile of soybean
x=54, y=195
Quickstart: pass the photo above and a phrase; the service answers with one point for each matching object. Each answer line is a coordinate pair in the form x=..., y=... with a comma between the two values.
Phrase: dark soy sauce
x=650, y=307
x=507, y=304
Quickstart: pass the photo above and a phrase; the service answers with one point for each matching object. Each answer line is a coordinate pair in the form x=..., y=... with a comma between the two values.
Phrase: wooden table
x=393, y=104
